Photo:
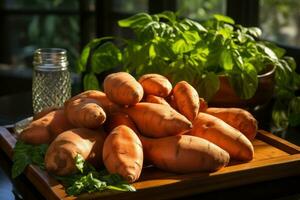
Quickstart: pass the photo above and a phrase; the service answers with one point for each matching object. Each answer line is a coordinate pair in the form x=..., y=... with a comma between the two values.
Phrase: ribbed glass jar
x=51, y=84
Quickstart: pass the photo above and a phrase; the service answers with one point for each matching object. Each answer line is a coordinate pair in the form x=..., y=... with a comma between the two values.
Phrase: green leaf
x=191, y=37
x=136, y=21
x=245, y=83
x=90, y=82
x=207, y=85
x=105, y=57
x=223, y=18
x=26, y=154
x=168, y=15
x=181, y=46
x=255, y=32
x=83, y=60
x=226, y=60
x=79, y=162
x=194, y=25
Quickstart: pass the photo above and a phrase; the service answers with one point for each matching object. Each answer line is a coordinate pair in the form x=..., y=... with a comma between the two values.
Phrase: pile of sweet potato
x=146, y=120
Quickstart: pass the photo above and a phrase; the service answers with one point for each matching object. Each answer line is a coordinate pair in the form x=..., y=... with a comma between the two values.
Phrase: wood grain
x=274, y=158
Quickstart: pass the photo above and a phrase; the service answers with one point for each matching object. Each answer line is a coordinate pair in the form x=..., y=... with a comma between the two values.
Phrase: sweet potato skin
x=157, y=120
x=155, y=84
x=45, y=129
x=123, y=89
x=238, y=118
x=187, y=99
x=117, y=119
x=156, y=99
x=85, y=113
x=100, y=99
x=184, y=154
x=60, y=156
x=123, y=153
x=220, y=133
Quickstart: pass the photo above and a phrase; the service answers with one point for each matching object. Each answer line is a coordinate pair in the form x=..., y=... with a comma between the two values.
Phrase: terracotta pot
x=227, y=97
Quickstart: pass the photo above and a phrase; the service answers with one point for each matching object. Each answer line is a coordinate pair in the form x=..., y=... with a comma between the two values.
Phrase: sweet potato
x=123, y=153
x=123, y=89
x=170, y=99
x=202, y=105
x=157, y=120
x=184, y=153
x=101, y=99
x=155, y=84
x=156, y=99
x=187, y=99
x=118, y=119
x=44, y=112
x=237, y=118
x=45, y=129
x=220, y=133
x=85, y=113
x=60, y=156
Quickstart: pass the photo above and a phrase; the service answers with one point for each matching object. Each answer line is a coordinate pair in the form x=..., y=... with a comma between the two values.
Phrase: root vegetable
x=123, y=153
x=237, y=118
x=184, y=153
x=85, y=113
x=220, y=133
x=45, y=129
x=100, y=99
x=118, y=119
x=156, y=99
x=60, y=156
x=157, y=120
x=123, y=89
x=156, y=84
x=187, y=99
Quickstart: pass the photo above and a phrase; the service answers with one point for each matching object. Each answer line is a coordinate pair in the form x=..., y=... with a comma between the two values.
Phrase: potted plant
x=204, y=54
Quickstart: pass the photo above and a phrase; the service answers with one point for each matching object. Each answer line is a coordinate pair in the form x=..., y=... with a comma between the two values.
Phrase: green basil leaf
x=82, y=62
x=254, y=31
x=207, y=85
x=245, y=84
x=223, y=18
x=136, y=21
x=168, y=15
x=105, y=57
x=26, y=154
x=226, y=60
x=90, y=82
x=194, y=25
x=181, y=46
x=79, y=162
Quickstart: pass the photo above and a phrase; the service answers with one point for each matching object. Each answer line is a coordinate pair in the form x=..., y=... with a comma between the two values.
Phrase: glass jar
x=51, y=84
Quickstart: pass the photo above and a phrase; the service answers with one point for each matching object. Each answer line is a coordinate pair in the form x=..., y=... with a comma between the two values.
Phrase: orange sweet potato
x=157, y=120
x=85, y=113
x=60, y=156
x=237, y=118
x=184, y=153
x=220, y=133
x=187, y=99
x=156, y=99
x=45, y=129
x=123, y=89
x=99, y=97
x=156, y=84
x=123, y=153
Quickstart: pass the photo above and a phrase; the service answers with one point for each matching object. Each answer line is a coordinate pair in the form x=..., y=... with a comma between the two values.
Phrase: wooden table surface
x=15, y=107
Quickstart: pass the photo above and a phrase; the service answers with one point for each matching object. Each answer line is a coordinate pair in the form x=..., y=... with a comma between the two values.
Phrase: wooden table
x=282, y=188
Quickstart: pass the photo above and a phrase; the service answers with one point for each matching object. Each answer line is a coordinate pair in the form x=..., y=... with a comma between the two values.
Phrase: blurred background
x=26, y=25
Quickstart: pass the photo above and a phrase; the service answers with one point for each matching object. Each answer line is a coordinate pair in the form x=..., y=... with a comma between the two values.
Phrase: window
x=280, y=21
x=29, y=24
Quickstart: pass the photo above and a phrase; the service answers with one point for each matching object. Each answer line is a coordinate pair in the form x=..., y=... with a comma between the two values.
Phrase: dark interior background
x=26, y=25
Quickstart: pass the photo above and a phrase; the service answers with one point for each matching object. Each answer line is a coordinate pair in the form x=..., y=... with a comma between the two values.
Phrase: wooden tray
x=274, y=158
